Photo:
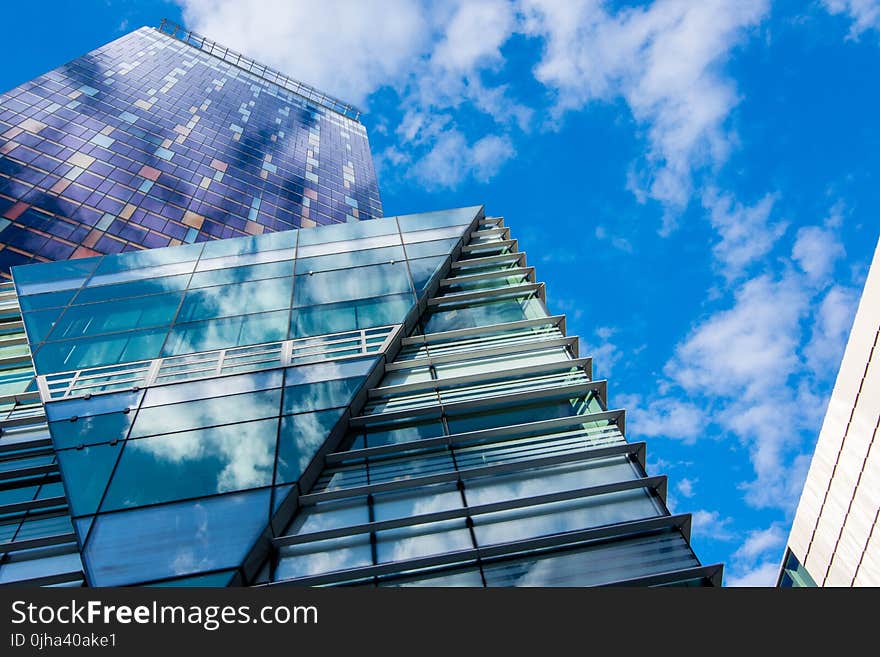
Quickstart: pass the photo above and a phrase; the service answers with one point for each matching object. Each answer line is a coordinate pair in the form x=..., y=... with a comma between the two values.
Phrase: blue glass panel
x=171, y=540
x=349, y=284
x=194, y=463
x=348, y=259
x=47, y=300
x=54, y=276
x=230, y=300
x=402, y=432
x=320, y=395
x=435, y=248
x=148, y=259
x=338, y=317
x=234, y=275
x=340, y=369
x=132, y=289
x=423, y=269
x=251, y=244
x=89, y=352
x=227, y=385
x=325, y=556
x=299, y=440
x=422, y=540
x=484, y=314
x=228, y=332
x=90, y=430
x=206, y=412
x=40, y=323
x=348, y=231
x=455, y=217
x=116, y=315
x=109, y=403
x=86, y=473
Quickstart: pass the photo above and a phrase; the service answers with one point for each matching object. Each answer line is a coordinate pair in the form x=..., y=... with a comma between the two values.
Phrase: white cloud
x=685, y=486
x=711, y=525
x=667, y=416
x=746, y=233
x=616, y=241
x=865, y=14
x=761, y=541
x=830, y=330
x=666, y=61
x=763, y=574
x=816, y=250
x=348, y=49
x=604, y=353
x=451, y=159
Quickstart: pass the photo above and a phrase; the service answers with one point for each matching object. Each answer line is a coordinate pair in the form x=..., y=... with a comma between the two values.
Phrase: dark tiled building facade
x=151, y=141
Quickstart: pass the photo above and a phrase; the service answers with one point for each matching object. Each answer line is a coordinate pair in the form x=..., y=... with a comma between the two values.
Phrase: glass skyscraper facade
x=155, y=140
x=380, y=403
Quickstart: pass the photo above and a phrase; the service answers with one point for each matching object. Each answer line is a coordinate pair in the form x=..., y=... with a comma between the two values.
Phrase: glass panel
x=90, y=352
x=116, y=315
x=91, y=430
x=240, y=245
x=86, y=473
x=339, y=317
x=435, y=248
x=53, y=276
x=485, y=313
x=213, y=579
x=593, y=565
x=226, y=333
x=319, y=395
x=405, y=504
x=39, y=324
x=228, y=385
x=195, y=463
x=401, y=432
x=432, y=234
x=348, y=231
x=119, y=401
x=48, y=300
x=239, y=299
x=240, y=261
x=206, y=412
x=469, y=577
x=321, y=557
x=175, y=539
x=313, y=250
x=132, y=289
x=422, y=540
x=148, y=258
x=241, y=274
x=347, y=260
x=489, y=419
x=423, y=269
x=572, y=515
x=455, y=217
x=350, y=284
x=330, y=515
x=300, y=438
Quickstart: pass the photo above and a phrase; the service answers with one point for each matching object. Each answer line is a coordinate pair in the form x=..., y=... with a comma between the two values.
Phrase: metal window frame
x=680, y=522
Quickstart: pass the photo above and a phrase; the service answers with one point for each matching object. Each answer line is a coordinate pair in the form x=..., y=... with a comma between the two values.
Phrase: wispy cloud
x=864, y=14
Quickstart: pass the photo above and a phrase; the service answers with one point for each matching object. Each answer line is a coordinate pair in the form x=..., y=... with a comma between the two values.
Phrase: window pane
x=300, y=438
x=239, y=299
x=90, y=352
x=233, y=275
x=350, y=284
x=175, y=539
x=86, y=473
x=227, y=332
x=422, y=540
x=347, y=260
x=132, y=289
x=116, y=315
x=195, y=463
x=319, y=395
x=321, y=557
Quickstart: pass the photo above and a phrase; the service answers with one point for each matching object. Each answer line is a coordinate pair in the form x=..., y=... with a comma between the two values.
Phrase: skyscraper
x=164, y=137
x=375, y=403
x=835, y=537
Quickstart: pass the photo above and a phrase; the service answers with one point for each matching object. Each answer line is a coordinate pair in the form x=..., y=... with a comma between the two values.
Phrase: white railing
x=210, y=364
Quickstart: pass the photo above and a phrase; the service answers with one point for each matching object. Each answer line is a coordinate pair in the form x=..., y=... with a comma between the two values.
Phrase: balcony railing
x=219, y=362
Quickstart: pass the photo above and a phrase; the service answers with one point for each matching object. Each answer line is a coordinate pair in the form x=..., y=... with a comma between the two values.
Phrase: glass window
x=228, y=385
x=455, y=217
x=319, y=557
x=349, y=231
x=194, y=463
x=422, y=540
x=435, y=248
x=349, y=284
x=559, y=517
x=107, y=350
x=339, y=317
x=593, y=565
x=502, y=363
x=319, y=395
x=86, y=473
x=423, y=269
x=484, y=313
x=548, y=410
x=206, y=412
x=90, y=430
x=242, y=274
x=300, y=439
x=116, y=315
x=53, y=276
x=132, y=289
x=39, y=324
x=465, y=578
x=150, y=273
x=251, y=259
x=408, y=503
x=179, y=539
x=401, y=432
x=241, y=245
x=434, y=234
x=341, y=369
x=147, y=259
x=238, y=299
x=227, y=332
x=47, y=300
x=112, y=403
x=347, y=260
x=313, y=250
x=334, y=514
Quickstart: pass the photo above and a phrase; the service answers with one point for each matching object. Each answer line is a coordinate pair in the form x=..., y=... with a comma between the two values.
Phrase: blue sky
x=695, y=181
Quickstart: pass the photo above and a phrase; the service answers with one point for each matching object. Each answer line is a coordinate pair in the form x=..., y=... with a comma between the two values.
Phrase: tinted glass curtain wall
x=152, y=141
x=391, y=405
